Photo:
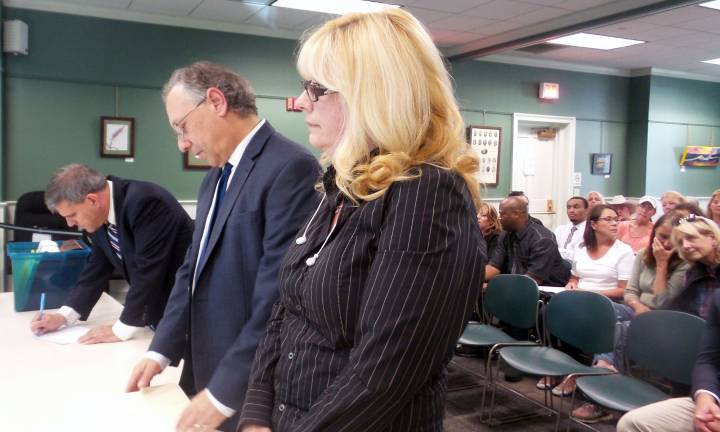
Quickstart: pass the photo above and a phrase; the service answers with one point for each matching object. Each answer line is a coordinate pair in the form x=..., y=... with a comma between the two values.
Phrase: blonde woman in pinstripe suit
x=380, y=281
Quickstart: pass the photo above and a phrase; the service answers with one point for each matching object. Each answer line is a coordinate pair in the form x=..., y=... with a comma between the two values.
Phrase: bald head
x=514, y=213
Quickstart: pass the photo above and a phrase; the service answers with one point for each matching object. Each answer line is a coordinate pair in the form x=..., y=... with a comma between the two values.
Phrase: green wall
x=681, y=113
x=54, y=98
x=490, y=92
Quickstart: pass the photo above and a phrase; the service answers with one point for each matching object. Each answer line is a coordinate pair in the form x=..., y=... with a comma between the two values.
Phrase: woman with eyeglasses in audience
x=375, y=294
x=594, y=198
x=713, y=208
x=670, y=199
x=697, y=240
x=658, y=276
x=636, y=232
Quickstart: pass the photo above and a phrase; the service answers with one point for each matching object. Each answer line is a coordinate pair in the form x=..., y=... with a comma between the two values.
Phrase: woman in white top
x=602, y=263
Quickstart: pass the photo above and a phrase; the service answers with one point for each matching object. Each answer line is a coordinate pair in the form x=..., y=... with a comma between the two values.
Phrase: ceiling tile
x=113, y=4
x=282, y=18
x=710, y=23
x=543, y=2
x=427, y=16
x=540, y=15
x=498, y=27
x=502, y=9
x=678, y=15
x=578, y=5
x=453, y=6
x=660, y=33
x=225, y=10
x=165, y=7
x=622, y=29
x=459, y=23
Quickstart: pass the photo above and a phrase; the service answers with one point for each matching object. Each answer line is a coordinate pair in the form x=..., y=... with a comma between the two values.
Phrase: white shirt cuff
x=158, y=358
x=227, y=412
x=71, y=316
x=124, y=331
x=717, y=400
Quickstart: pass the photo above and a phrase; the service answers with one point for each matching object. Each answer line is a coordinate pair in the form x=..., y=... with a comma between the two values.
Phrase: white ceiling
x=677, y=40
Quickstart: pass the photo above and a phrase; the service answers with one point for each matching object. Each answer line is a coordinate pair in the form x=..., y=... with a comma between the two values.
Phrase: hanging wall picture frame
x=117, y=137
x=485, y=142
x=192, y=163
x=601, y=164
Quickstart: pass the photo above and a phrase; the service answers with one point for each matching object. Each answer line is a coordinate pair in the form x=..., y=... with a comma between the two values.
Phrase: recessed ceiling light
x=711, y=4
x=587, y=40
x=713, y=61
x=334, y=6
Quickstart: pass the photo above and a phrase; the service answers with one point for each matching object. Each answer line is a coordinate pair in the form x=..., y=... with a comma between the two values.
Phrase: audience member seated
x=697, y=240
x=658, y=276
x=522, y=195
x=489, y=223
x=670, y=199
x=570, y=235
x=526, y=248
x=636, y=232
x=624, y=207
x=713, y=208
x=603, y=263
x=687, y=208
x=594, y=198
x=688, y=414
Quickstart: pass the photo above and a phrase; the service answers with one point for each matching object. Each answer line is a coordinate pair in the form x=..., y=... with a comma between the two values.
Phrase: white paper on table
x=65, y=335
x=154, y=409
x=551, y=289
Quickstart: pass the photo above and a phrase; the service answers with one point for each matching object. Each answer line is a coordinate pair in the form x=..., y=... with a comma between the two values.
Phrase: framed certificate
x=192, y=163
x=117, y=137
x=485, y=142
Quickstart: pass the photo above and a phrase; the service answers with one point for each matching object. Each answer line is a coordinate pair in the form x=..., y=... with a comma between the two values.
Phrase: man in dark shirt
x=526, y=248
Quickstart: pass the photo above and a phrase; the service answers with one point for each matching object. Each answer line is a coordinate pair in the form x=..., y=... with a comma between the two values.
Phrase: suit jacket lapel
x=236, y=186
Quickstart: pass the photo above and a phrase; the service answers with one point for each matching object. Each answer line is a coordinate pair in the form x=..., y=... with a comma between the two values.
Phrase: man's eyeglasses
x=179, y=126
x=610, y=219
x=315, y=90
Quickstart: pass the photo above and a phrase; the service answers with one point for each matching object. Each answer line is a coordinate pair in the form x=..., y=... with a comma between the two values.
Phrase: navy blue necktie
x=114, y=239
x=219, y=196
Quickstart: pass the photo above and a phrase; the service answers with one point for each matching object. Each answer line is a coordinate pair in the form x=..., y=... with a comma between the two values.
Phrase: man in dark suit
x=225, y=290
x=701, y=412
x=136, y=227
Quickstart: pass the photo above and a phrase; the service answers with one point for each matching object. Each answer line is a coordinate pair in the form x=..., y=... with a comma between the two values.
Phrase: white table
x=38, y=377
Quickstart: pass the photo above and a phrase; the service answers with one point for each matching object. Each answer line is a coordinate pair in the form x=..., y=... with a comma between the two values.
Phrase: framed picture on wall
x=193, y=163
x=601, y=164
x=117, y=137
x=485, y=142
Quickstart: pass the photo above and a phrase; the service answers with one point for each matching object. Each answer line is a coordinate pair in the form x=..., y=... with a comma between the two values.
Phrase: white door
x=543, y=168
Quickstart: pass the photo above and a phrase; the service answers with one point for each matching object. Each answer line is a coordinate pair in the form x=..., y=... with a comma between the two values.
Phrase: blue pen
x=42, y=305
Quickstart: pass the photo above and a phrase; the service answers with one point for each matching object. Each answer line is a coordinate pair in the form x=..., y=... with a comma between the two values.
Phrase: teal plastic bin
x=54, y=274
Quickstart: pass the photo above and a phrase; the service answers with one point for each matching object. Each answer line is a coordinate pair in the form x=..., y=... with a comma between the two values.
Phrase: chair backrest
x=30, y=211
x=512, y=299
x=665, y=342
x=583, y=319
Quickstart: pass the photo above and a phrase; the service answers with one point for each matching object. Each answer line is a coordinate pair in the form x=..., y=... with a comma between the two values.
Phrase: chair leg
x=572, y=404
x=492, y=394
x=488, y=376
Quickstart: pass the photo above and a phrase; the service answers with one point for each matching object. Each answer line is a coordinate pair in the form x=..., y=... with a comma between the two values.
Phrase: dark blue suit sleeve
x=169, y=339
x=91, y=284
x=288, y=204
x=154, y=227
x=707, y=366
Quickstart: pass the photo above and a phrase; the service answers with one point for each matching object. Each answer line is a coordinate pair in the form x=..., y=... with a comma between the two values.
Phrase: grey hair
x=72, y=183
x=196, y=78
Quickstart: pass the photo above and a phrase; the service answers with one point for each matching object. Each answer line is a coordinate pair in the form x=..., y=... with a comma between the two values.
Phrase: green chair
x=512, y=299
x=663, y=342
x=583, y=319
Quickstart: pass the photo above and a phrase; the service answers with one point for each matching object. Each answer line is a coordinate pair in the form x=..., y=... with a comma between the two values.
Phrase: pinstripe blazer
x=361, y=340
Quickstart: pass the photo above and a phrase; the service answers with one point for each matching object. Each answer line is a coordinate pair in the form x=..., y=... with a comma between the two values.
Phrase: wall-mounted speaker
x=15, y=37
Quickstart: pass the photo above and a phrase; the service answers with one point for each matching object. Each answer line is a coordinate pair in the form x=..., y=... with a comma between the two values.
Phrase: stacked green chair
x=663, y=342
x=583, y=319
x=512, y=299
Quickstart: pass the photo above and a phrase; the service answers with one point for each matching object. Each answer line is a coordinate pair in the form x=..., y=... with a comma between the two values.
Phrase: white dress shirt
x=235, y=161
x=569, y=240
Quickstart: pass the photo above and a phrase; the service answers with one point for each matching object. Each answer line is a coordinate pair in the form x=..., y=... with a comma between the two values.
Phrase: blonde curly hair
x=397, y=98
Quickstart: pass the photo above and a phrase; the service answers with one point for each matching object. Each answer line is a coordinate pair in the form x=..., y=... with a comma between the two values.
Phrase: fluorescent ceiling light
x=334, y=6
x=711, y=4
x=587, y=40
x=713, y=61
